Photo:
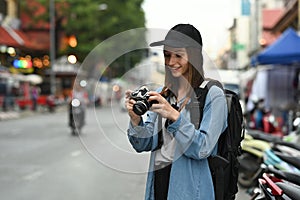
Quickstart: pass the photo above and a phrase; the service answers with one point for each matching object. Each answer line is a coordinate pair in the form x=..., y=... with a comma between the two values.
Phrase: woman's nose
x=172, y=60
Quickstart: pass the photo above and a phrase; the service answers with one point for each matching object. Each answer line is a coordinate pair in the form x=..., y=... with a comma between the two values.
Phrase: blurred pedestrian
x=34, y=96
x=179, y=167
x=257, y=113
x=80, y=95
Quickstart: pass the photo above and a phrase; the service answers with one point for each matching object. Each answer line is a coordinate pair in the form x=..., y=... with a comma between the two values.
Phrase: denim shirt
x=190, y=177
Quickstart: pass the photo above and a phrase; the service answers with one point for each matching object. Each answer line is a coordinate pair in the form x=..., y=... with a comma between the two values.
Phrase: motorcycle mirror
x=75, y=103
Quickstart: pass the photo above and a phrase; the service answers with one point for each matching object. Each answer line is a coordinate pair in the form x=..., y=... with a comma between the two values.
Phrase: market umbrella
x=284, y=51
x=34, y=79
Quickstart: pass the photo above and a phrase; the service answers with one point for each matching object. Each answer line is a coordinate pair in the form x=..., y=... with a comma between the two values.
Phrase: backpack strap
x=197, y=103
x=196, y=106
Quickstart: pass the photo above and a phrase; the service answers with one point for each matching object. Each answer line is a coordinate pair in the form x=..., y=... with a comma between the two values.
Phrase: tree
x=93, y=21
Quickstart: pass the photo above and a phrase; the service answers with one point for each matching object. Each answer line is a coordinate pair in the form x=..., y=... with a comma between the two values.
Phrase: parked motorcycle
x=277, y=184
x=272, y=124
x=51, y=103
x=264, y=120
x=251, y=159
x=259, y=147
x=76, y=116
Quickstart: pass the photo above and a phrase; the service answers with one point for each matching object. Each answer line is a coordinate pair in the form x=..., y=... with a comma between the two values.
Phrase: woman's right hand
x=135, y=119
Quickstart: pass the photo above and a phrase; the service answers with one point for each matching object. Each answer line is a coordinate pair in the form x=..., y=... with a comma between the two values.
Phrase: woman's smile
x=175, y=68
x=177, y=60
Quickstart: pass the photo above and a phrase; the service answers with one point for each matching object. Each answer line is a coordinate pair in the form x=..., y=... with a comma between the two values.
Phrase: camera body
x=141, y=97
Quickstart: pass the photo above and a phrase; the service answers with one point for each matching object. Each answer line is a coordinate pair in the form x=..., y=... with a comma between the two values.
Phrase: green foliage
x=92, y=25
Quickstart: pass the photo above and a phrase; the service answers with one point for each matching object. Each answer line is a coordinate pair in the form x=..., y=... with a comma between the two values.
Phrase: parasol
x=34, y=78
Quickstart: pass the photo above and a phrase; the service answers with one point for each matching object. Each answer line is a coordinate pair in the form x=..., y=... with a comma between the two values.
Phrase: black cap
x=181, y=36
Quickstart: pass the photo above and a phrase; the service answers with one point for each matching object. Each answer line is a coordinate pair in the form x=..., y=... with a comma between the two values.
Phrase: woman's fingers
x=156, y=97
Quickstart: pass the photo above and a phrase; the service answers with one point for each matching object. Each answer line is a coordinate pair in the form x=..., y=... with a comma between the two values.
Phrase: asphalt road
x=39, y=159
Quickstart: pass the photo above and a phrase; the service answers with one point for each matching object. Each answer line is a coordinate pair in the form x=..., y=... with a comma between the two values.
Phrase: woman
x=179, y=167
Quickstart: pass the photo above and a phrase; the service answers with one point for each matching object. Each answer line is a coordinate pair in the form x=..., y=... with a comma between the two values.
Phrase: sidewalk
x=9, y=115
x=18, y=114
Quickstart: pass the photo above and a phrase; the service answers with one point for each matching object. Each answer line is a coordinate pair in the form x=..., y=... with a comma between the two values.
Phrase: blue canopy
x=285, y=50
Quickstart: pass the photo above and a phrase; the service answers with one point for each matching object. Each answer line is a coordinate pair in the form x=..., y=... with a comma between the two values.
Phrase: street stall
x=277, y=81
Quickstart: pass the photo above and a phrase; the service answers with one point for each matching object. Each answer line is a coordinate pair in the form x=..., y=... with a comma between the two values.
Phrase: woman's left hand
x=163, y=107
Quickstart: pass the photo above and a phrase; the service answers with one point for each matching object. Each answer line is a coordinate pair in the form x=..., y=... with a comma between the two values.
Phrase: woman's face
x=176, y=59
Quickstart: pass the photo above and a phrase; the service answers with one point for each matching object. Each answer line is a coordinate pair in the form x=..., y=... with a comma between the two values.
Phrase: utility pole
x=52, y=46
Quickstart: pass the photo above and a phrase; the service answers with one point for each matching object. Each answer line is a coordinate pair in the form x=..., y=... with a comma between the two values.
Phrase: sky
x=211, y=17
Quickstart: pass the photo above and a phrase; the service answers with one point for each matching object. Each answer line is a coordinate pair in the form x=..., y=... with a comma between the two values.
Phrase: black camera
x=141, y=97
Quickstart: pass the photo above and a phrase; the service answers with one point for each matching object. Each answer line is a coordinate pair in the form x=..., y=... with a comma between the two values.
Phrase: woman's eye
x=178, y=56
x=167, y=55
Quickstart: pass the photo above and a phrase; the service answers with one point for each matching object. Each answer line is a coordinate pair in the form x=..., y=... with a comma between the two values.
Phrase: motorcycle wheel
x=248, y=175
x=75, y=132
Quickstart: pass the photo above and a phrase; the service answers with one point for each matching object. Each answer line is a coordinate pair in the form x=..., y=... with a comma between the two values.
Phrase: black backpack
x=224, y=166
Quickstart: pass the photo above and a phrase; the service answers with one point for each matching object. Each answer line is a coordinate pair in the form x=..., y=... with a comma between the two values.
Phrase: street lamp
x=72, y=59
x=52, y=46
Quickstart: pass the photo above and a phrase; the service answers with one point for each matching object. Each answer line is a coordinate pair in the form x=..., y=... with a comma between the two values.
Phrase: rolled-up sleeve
x=142, y=137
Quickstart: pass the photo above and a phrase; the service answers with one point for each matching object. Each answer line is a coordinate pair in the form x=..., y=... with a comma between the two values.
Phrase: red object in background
x=276, y=191
x=43, y=100
x=1, y=100
x=8, y=39
x=272, y=126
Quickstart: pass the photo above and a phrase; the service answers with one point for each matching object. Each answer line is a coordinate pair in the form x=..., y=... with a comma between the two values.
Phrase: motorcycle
x=258, y=148
x=250, y=160
x=265, y=121
x=51, y=103
x=76, y=116
x=277, y=184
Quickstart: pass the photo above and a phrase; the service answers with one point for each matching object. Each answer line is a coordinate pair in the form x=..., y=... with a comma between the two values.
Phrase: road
x=39, y=159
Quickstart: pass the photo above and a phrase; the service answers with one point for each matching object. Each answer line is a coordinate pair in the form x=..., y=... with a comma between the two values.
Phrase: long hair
x=195, y=71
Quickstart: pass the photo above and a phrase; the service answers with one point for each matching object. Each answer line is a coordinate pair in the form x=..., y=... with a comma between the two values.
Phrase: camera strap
x=166, y=93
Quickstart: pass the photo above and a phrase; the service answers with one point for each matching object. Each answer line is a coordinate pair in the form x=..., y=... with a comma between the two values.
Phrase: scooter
x=250, y=160
x=259, y=148
x=277, y=184
x=76, y=116
x=51, y=103
x=268, y=124
x=272, y=125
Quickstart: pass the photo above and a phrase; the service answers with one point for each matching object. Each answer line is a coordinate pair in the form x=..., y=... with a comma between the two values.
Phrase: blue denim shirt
x=190, y=176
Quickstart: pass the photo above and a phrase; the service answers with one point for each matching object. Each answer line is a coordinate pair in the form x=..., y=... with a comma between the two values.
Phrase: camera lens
x=140, y=108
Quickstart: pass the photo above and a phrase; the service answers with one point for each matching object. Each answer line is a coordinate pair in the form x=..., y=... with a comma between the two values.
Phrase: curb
x=9, y=115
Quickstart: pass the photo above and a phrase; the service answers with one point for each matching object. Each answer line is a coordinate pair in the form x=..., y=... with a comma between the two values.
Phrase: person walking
x=179, y=168
x=34, y=96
